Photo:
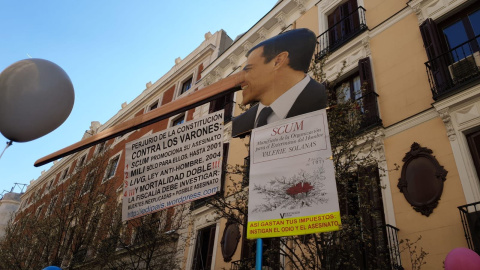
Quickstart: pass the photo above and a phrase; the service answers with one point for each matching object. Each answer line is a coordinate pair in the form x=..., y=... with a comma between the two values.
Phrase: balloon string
x=8, y=144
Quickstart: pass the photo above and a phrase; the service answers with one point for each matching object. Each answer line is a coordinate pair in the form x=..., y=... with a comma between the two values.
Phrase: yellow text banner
x=294, y=226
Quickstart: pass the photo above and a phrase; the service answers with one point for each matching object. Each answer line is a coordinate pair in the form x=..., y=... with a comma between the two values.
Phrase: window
x=473, y=140
x=81, y=162
x=178, y=121
x=39, y=210
x=226, y=103
x=65, y=174
x=51, y=206
x=453, y=49
x=101, y=147
x=349, y=89
x=204, y=248
x=343, y=21
x=359, y=88
x=50, y=185
x=360, y=201
x=186, y=85
x=153, y=106
x=458, y=30
x=112, y=167
x=87, y=186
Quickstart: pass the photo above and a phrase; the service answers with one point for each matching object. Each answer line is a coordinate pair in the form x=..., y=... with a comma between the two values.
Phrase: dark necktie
x=262, y=117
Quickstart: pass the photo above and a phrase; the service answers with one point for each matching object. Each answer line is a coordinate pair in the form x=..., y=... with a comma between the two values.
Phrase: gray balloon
x=36, y=96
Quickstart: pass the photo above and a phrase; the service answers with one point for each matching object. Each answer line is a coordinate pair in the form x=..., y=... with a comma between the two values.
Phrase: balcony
x=245, y=264
x=369, y=106
x=359, y=115
x=455, y=69
x=383, y=247
x=341, y=32
x=392, y=237
x=470, y=215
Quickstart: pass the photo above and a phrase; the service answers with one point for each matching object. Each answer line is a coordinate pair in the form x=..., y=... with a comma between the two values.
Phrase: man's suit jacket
x=312, y=98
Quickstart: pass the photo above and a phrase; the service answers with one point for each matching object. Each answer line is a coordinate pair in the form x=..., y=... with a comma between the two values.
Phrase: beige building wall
x=401, y=81
x=309, y=20
x=442, y=230
x=395, y=47
x=379, y=11
x=398, y=58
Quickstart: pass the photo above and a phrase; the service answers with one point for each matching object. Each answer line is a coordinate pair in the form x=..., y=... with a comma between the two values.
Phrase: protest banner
x=173, y=166
x=292, y=189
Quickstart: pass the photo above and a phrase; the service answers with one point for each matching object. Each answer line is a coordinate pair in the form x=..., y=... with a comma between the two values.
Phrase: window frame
x=101, y=147
x=182, y=88
x=89, y=180
x=81, y=161
x=173, y=120
x=64, y=175
x=462, y=16
x=212, y=228
x=52, y=204
x=108, y=171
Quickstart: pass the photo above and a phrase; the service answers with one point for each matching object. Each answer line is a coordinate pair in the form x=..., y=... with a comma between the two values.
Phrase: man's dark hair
x=299, y=43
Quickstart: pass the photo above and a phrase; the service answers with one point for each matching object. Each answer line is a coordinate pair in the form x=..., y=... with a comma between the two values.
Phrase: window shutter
x=212, y=106
x=333, y=33
x=431, y=42
x=355, y=15
x=228, y=107
x=211, y=242
x=331, y=95
x=366, y=78
x=371, y=211
x=197, y=263
x=474, y=145
x=431, y=39
x=223, y=102
x=224, y=166
x=369, y=98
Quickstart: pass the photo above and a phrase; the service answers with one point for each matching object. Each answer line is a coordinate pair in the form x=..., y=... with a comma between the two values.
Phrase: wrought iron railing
x=384, y=242
x=246, y=171
x=341, y=32
x=245, y=264
x=392, y=237
x=454, y=69
x=470, y=215
x=369, y=106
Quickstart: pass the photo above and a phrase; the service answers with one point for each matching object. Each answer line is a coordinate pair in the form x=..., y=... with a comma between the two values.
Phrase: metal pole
x=258, y=261
x=8, y=144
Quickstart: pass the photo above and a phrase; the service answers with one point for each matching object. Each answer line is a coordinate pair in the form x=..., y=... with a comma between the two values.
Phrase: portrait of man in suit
x=276, y=77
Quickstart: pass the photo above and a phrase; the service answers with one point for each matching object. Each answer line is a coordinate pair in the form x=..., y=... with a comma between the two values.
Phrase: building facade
x=413, y=69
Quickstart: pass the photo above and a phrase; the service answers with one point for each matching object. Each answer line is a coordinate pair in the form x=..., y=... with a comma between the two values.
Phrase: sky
x=110, y=50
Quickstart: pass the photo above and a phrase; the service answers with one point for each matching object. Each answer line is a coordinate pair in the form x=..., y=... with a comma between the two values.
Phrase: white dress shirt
x=282, y=105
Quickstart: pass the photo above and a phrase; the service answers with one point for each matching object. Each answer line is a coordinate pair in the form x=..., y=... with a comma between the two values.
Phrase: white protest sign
x=292, y=189
x=173, y=166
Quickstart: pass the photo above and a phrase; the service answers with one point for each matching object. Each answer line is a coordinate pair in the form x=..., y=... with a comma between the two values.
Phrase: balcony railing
x=245, y=264
x=341, y=32
x=384, y=242
x=246, y=171
x=369, y=106
x=392, y=237
x=470, y=215
x=454, y=69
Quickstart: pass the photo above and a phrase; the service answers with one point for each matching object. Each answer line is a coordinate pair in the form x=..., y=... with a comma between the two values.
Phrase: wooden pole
x=202, y=96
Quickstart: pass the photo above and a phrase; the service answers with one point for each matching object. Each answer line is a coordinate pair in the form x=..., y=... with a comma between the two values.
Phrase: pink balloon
x=462, y=259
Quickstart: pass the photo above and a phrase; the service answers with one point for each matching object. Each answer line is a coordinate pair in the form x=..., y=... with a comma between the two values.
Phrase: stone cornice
x=410, y=122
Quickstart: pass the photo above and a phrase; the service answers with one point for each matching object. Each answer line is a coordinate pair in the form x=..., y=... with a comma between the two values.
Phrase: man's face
x=258, y=77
